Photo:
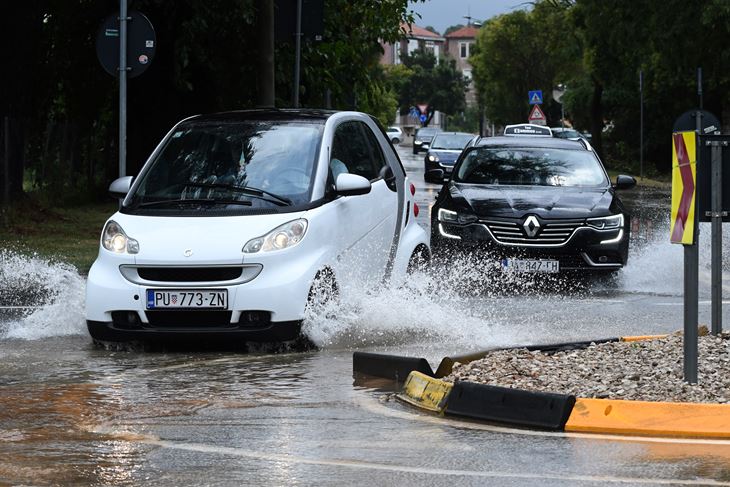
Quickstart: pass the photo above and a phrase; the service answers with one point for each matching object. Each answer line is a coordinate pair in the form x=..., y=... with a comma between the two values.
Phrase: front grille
x=189, y=318
x=513, y=233
x=189, y=274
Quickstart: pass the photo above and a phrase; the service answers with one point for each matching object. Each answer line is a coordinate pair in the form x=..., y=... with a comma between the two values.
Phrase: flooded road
x=74, y=414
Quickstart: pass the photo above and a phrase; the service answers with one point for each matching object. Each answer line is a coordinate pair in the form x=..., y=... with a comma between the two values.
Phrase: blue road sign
x=423, y=118
x=535, y=97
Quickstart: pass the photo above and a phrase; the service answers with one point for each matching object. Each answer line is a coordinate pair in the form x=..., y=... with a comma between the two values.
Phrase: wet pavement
x=71, y=413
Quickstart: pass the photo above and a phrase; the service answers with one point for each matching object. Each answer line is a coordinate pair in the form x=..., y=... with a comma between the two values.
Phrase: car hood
x=546, y=202
x=446, y=156
x=212, y=240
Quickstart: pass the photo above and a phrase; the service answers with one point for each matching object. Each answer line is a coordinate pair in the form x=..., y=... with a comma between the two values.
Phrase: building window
x=463, y=50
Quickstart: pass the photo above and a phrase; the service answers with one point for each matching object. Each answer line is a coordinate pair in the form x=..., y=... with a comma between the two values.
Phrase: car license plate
x=521, y=265
x=187, y=298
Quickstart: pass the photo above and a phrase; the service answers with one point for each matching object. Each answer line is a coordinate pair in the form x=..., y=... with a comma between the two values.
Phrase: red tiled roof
x=469, y=31
x=416, y=31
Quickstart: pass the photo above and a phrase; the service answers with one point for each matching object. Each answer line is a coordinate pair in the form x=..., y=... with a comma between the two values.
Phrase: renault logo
x=531, y=226
x=188, y=252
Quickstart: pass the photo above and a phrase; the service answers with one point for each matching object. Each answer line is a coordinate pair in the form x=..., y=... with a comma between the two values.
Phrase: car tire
x=323, y=291
x=419, y=261
x=395, y=140
x=415, y=151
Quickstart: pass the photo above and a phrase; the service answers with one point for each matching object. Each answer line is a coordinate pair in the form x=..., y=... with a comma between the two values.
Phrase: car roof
x=267, y=114
x=545, y=142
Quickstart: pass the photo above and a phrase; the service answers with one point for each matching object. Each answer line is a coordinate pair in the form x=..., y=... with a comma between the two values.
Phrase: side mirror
x=624, y=182
x=387, y=174
x=435, y=175
x=351, y=184
x=120, y=187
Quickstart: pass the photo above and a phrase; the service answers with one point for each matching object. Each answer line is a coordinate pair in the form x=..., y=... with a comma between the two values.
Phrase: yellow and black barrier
x=556, y=412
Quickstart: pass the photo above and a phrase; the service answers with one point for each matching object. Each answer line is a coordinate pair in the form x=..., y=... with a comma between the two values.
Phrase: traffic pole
x=641, y=124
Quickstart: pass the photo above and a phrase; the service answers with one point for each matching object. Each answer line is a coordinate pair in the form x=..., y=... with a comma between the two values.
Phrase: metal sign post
x=717, y=215
x=297, y=53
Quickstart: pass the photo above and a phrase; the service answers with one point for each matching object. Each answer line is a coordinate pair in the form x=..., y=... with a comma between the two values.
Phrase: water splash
x=54, y=290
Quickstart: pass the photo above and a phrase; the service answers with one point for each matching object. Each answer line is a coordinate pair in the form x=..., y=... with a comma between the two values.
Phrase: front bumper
x=585, y=250
x=266, y=304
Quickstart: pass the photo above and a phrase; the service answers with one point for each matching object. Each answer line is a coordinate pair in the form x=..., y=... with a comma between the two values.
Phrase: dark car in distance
x=422, y=138
x=533, y=204
x=444, y=151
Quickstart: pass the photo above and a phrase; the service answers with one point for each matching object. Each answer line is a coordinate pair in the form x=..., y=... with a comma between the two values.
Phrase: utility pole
x=265, y=34
x=298, y=53
x=123, y=19
x=641, y=124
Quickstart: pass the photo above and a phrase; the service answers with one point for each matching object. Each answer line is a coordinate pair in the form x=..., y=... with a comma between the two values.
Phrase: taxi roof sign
x=527, y=130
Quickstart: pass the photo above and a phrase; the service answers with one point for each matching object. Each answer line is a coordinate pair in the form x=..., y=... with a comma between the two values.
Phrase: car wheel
x=324, y=290
x=419, y=261
x=395, y=141
x=415, y=151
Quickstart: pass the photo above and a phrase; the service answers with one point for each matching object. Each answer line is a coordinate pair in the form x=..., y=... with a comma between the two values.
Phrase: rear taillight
x=413, y=189
x=415, y=209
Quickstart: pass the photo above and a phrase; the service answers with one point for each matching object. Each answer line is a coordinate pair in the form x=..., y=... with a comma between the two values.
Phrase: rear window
x=450, y=141
x=531, y=166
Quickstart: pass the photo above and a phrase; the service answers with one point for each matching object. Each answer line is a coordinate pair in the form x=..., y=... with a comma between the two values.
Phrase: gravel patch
x=649, y=370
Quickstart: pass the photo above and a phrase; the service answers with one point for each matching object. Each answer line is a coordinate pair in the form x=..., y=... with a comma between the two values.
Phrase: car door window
x=377, y=153
x=351, y=152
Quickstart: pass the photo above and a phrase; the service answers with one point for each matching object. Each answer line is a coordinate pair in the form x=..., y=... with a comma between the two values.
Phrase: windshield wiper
x=247, y=190
x=201, y=201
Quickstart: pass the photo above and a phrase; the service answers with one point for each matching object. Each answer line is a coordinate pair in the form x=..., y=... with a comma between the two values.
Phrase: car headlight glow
x=282, y=237
x=449, y=216
x=607, y=222
x=115, y=240
x=433, y=158
x=417, y=142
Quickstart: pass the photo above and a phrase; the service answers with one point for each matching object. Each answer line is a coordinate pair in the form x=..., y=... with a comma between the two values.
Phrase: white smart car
x=238, y=220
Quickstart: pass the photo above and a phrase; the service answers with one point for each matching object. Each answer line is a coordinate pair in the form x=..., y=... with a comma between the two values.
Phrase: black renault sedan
x=532, y=204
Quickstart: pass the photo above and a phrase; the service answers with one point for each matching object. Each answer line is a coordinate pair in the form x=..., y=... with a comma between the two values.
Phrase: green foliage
x=519, y=52
x=425, y=81
x=453, y=28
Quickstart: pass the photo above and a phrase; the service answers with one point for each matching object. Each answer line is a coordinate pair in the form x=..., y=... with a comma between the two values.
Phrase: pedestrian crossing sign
x=535, y=97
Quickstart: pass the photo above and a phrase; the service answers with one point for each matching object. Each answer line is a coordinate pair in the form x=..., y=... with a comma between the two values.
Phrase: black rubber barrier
x=512, y=406
x=388, y=366
x=562, y=347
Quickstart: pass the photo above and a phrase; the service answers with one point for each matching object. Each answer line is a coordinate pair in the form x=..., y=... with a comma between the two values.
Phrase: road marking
x=364, y=465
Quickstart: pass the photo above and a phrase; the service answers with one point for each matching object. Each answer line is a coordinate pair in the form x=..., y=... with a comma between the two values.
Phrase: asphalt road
x=73, y=414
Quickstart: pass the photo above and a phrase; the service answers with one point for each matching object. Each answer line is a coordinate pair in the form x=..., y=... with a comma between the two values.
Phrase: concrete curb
x=557, y=412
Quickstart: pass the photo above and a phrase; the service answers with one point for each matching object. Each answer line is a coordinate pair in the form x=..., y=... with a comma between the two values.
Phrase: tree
x=439, y=85
x=519, y=52
x=453, y=28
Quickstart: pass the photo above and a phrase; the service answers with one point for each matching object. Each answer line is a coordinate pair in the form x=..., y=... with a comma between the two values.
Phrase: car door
x=360, y=219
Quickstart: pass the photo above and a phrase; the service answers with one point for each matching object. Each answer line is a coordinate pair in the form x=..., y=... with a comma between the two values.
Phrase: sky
x=444, y=13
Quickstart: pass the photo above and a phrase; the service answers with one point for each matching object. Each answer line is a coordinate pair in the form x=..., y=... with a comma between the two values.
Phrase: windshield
x=426, y=132
x=450, y=141
x=232, y=164
x=567, y=134
x=531, y=166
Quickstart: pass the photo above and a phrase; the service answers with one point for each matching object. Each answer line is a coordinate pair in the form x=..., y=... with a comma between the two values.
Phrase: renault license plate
x=187, y=298
x=524, y=265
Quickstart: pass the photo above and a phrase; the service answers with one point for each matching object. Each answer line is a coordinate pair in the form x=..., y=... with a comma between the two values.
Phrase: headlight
x=282, y=237
x=433, y=158
x=115, y=240
x=607, y=222
x=449, y=216
x=417, y=142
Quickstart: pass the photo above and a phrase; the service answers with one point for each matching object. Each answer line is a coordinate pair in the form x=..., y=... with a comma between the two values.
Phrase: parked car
x=533, y=204
x=238, y=221
x=422, y=138
x=445, y=149
x=395, y=134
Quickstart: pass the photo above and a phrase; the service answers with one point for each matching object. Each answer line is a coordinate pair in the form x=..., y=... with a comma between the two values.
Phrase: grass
x=68, y=235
